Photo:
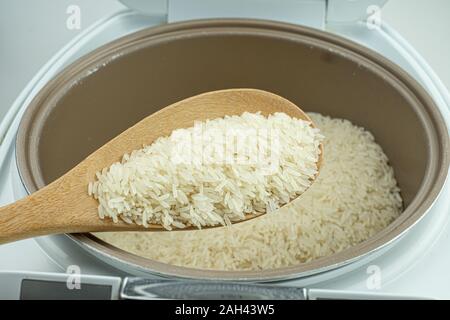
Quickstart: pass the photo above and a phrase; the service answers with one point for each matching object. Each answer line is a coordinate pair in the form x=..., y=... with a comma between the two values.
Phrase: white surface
x=425, y=24
x=31, y=32
x=351, y=10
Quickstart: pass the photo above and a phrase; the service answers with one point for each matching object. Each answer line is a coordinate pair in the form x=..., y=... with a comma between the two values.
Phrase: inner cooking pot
x=109, y=90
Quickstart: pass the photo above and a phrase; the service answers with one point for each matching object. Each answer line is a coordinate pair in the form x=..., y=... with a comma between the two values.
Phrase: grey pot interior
x=80, y=110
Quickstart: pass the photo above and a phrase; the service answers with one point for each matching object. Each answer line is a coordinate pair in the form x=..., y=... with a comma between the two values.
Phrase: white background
x=32, y=31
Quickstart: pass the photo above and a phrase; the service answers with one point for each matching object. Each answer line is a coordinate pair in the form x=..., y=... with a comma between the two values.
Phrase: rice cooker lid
x=316, y=13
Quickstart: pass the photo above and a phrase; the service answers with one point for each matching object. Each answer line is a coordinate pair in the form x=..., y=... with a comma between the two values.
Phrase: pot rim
x=423, y=104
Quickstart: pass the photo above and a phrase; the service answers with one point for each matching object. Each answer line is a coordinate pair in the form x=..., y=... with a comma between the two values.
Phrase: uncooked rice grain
x=354, y=197
x=214, y=173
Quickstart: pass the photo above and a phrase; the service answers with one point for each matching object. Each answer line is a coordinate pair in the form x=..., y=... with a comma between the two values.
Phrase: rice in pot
x=354, y=197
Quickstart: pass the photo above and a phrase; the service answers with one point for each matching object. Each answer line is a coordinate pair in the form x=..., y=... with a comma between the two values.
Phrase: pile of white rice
x=354, y=197
x=214, y=173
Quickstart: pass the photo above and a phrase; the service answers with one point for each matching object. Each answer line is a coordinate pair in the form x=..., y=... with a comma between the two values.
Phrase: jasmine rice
x=213, y=173
x=354, y=197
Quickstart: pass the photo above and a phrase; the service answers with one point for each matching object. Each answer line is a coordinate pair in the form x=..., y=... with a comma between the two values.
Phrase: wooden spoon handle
x=63, y=206
x=28, y=217
x=43, y=212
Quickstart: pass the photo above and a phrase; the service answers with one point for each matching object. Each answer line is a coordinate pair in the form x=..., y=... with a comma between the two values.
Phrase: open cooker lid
x=312, y=13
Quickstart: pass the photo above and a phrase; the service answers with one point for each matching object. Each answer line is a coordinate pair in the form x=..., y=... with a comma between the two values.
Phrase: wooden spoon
x=64, y=206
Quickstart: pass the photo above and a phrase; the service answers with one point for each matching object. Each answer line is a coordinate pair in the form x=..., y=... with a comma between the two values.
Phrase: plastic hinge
x=306, y=12
x=313, y=13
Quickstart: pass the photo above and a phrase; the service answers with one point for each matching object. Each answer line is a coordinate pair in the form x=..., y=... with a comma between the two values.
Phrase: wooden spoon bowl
x=64, y=206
